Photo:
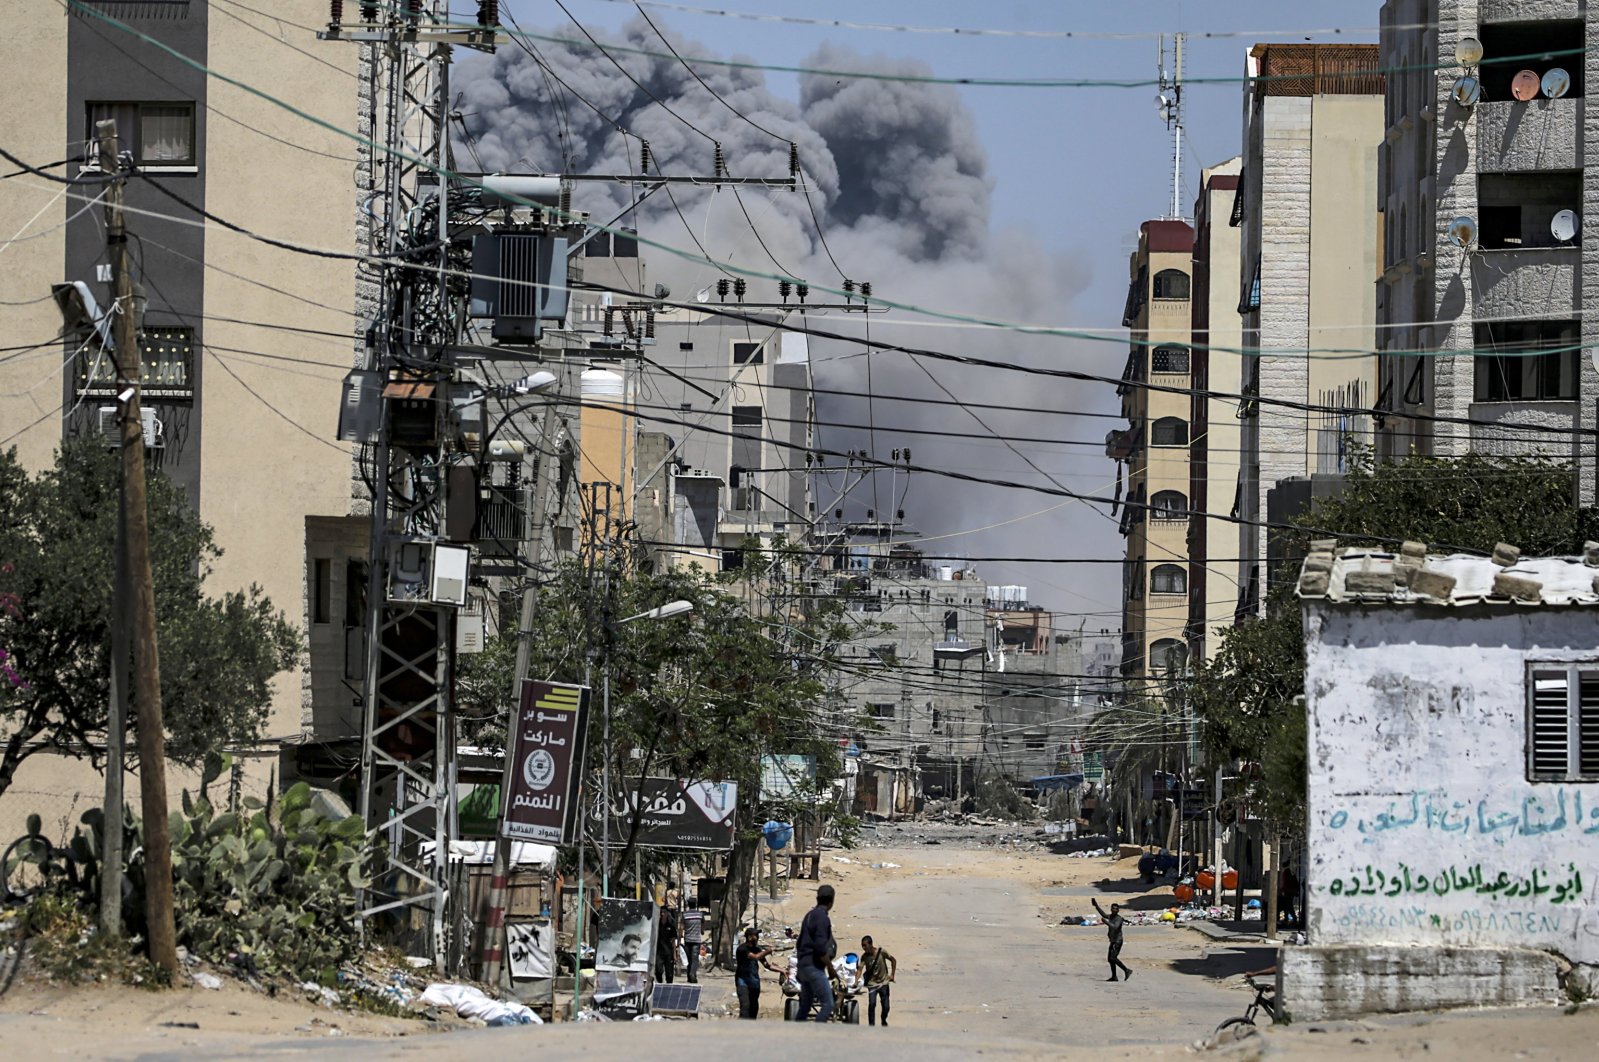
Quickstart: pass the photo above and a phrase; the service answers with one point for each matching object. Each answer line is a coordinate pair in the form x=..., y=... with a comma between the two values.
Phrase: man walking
x=878, y=969
x=814, y=955
x=747, y=961
x=693, y=930
x=1113, y=927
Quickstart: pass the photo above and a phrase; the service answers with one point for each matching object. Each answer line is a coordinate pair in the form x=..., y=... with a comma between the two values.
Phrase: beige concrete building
x=1155, y=450
x=245, y=343
x=1500, y=319
x=1309, y=219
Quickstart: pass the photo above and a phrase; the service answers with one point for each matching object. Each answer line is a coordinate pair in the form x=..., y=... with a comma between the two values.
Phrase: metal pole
x=605, y=779
x=1216, y=825
x=162, y=932
x=116, y=738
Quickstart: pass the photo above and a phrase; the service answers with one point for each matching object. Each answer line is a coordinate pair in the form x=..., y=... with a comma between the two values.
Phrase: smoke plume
x=898, y=180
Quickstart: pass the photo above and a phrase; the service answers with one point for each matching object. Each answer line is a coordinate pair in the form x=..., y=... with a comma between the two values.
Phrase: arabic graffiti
x=1405, y=880
x=1531, y=815
x=1472, y=923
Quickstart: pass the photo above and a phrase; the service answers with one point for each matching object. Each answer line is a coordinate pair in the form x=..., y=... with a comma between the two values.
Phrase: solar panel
x=676, y=999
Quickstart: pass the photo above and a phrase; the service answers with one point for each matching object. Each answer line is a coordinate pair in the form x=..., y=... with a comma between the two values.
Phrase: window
x=885, y=654
x=1033, y=742
x=937, y=719
x=1167, y=654
x=1527, y=360
x=1168, y=579
x=1169, y=431
x=166, y=356
x=1171, y=284
x=685, y=346
x=746, y=416
x=1515, y=210
x=880, y=711
x=748, y=354
x=1169, y=505
x=1249, y=298
x=1562, y=724
x=321, y=590
x=1169, y=359
x=158, y=134
x=732, y=560
x=1511, y=46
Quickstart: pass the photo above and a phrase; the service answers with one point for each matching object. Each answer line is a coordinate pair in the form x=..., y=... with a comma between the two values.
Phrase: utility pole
x=140, y=593
x=116, y=734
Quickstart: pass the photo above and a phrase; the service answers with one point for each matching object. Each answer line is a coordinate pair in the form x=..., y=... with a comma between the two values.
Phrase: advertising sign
x=672, y=814
x=783, y=777
x=546, y=750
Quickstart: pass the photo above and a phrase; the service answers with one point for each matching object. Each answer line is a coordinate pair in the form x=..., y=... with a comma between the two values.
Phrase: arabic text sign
x=546, y=747
x=673, y=814
x=783, y=777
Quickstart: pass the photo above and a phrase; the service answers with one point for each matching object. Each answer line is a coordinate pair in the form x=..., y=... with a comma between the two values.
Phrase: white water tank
x=601, y=385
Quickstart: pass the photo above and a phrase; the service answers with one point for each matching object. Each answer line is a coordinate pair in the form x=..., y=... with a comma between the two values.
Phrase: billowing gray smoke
x=898, y=179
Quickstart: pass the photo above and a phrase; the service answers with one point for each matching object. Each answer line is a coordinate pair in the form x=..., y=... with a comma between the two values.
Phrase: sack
x=682, y=957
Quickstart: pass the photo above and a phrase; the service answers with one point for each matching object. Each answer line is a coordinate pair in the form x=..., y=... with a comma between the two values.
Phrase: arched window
x=1169, y=359
x=1168, y=505
x=1168, y=579
x=1171, y=284
x=1169, y=431
x=1168, y=654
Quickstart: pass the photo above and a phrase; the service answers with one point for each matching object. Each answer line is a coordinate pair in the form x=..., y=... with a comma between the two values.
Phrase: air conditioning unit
x=108, y=422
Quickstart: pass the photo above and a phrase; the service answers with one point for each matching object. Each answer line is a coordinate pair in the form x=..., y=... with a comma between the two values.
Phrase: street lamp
x=666, y=611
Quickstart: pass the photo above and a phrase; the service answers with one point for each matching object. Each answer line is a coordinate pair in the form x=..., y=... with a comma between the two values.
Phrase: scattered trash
x=321, y=993
x=469, y=1002
x=206, y=980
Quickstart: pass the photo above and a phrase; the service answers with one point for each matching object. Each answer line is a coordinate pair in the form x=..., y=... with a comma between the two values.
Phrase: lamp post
x=666, y=611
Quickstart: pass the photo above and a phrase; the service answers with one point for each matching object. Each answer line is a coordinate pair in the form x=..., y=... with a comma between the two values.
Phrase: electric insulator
x=335, y=11
x=849, y=291
x=566, y=200
x=720, y=161
x=802, y=289
x=866, y=289
x=721, y=289
x=413, y=9
x=610, y=320
x=627, y=323
x=739, y=288
x=783, y=288
x=644, y=156
x=369, y=12
x=793, y=159
x=649, y=324
x=488, y=12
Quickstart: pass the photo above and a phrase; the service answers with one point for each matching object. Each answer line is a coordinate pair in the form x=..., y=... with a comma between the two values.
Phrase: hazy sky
x=1073, y=170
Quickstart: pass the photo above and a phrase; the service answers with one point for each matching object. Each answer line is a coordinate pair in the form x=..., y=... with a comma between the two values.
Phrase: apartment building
x=1483, y=317
x=1037, y=699
x=1154, y=449
x=1215, y=446
x=1308, y=216
x=244, y=343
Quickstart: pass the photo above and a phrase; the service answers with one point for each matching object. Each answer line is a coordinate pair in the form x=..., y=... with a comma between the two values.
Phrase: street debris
x=472, y=1003
x=206, y=980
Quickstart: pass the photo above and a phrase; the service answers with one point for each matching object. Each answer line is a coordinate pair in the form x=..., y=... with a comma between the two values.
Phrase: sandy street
x=984, y=968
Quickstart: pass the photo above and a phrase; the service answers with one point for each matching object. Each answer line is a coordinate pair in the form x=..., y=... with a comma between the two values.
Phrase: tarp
x=523, y=853
x=1047, y=782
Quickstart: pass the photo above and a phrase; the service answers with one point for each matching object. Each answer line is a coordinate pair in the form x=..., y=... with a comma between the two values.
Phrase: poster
x=627, y=935
x=546, y=745
x=672, y=814
x=621, y=995
x=531, y=948
x=787, y=777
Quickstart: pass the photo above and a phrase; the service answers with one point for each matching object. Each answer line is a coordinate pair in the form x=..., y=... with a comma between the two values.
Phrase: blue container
x=778, y=834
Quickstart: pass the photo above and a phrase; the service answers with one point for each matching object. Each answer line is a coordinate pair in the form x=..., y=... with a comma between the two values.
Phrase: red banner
x=546, y=750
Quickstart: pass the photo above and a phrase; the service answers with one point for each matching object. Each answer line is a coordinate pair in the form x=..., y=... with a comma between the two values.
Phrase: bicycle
x=1265, y=999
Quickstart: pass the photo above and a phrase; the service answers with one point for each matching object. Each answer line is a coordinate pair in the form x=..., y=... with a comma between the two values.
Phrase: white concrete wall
x=1418, y=783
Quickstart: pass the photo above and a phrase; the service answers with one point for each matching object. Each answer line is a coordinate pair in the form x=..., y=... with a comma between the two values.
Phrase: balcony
x=1539, y=135
x=1533, y=282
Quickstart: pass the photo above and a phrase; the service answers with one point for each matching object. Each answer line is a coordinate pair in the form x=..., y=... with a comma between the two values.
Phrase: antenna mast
x=1170, y=105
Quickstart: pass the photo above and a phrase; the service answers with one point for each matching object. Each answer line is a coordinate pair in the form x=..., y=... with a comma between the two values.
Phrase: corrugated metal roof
x=1411, y=576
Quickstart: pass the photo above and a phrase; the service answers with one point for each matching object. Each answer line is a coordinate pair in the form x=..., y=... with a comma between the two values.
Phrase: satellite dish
x=1525, y=85
x=1463, y=232
x=1556, y=83
x=1468, y=51
x=1565, y=225
x=1467, y=91
x=703, y=295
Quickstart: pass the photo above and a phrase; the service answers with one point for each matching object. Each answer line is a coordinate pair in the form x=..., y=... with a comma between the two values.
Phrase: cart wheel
x=1241, y=1027
x=852, y=1016
x=790, y=1009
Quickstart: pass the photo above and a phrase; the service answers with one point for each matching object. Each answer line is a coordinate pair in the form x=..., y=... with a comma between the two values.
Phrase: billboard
x=784, y=777
x=546, y=752
x=672, y=814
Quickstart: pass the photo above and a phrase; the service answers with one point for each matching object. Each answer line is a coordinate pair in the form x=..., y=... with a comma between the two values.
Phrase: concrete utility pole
x=141, y=584
x=116, y=733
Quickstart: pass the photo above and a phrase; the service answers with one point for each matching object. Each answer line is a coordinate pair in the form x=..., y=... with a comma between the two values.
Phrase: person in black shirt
x=747, y=961
x=1113, y=927
x=814, y=953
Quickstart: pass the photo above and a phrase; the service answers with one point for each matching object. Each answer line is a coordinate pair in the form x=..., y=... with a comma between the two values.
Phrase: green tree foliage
x=57, y=545
x=1246, y=694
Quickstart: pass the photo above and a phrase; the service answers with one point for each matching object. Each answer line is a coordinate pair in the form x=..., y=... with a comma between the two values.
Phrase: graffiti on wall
x=1557, y=886
x=1531, y=814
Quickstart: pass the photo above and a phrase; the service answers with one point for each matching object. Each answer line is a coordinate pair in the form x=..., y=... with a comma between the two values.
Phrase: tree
x=1246, y=694
x=57, y=547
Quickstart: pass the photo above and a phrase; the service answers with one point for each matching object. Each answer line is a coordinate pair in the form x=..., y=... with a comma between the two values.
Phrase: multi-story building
x=1035, y=705
x=1486, y=320
x=1307, y=207
x=1155, y=450
x=244, y=343
x=1214, y=448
